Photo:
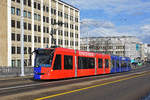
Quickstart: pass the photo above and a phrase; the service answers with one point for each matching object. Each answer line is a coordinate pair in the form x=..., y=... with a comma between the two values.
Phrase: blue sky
x=114, y=18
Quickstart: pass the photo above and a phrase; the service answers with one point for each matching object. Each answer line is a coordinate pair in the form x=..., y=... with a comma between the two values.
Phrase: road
x=131, y=85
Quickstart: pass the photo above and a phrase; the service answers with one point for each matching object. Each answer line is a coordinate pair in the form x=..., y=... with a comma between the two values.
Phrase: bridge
x=133, y=85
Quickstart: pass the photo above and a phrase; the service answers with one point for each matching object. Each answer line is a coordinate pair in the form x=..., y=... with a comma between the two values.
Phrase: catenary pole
x=22, y=38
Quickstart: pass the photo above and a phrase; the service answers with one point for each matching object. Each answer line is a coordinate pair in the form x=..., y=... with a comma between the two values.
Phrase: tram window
x=113, y=63
x=57, y=63
x=86, y=63
x=91, y=63
x=118, y=63
x=123, y=64
x=68, y=62
x=100, y=63
x=82, y=63
x=106, y=63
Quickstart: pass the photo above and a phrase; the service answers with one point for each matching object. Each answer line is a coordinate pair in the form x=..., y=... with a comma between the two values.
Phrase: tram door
x=56, y=71
x=69, y=66
x=100, y=66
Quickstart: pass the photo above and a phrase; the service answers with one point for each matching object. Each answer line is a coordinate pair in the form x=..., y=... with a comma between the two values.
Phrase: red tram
x=58, y=63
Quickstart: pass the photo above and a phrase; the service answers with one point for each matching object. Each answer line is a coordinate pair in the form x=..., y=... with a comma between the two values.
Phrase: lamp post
x=22, y=39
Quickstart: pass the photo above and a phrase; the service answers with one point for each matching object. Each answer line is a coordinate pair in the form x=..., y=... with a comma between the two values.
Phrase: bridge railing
x=14, y=71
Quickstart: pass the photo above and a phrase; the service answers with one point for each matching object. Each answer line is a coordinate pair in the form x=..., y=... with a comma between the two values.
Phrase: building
x=146, y=53
x=41, y=18
x=128, y=46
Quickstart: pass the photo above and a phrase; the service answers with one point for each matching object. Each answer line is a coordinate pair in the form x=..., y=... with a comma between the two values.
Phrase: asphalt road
x=122, y=86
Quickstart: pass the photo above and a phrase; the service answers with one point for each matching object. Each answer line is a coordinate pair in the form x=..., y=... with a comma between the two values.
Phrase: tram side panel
x=100, y=64
x=113, y=64
x=107, y=64
x=69, y=64
x=85, y=63
x=64, y=64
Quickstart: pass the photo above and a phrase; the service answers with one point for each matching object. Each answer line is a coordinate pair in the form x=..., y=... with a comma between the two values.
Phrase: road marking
x=77, y=90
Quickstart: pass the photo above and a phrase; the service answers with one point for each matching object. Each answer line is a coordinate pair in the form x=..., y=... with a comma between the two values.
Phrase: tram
x=60, y=63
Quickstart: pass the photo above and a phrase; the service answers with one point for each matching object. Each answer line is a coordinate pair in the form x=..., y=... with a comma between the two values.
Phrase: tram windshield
x=44, y=57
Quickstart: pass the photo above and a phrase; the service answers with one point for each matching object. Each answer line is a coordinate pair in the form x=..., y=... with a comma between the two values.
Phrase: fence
x=14, y=71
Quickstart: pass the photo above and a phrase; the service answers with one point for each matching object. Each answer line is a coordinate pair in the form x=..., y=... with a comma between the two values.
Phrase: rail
x=14, y=71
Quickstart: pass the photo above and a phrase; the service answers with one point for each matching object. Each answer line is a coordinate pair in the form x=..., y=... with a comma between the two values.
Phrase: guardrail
x=14, y=71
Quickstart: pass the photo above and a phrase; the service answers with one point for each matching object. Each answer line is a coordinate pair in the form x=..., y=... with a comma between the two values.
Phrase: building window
x=47, y=40
x=18, y=12
x=29, y=50
x=29, y=3
x=35, y=5
x=13, y=50
x=25, y=62
x=43, y=18
x=39, y=7
x=13, y=36
x=18, y=63
x=47, y=30
x=76, y=19
x=12, y=23
x=25, y=50
x=39, y=17
x=13, y=64
x=39, y=28
x=25, y=38
x=35, y=39
x=18, y=24
x=47, y=9
x=29, y=15
x=25, y=13
x=39, y=39
x=44, y=40
x=57, y=63
x=35, y=27
x=29, y=26
x=18, y=37
x=71, y=18
x=25, y=25
x=43, y=7
x=76, y=27
x=35, y=16
x=25, y=2
x=18, y=1
x=18, y=50
x=66, y=16
x=47, y=19
x=44, y=29
x=68, y=62
x=13, y=10
x=29, y=38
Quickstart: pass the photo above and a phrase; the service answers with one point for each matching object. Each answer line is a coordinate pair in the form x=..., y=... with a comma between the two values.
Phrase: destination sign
x=43, y=51
x=86, y=54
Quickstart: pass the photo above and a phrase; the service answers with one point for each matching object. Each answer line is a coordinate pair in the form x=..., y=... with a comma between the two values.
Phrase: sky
x=114, y=18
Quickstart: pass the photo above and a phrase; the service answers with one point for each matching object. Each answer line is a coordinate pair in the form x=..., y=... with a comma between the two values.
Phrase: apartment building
x=128, y=46
x=41, y=18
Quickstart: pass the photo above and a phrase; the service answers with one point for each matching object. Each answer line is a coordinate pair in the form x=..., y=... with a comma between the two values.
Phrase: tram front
x=42, y=63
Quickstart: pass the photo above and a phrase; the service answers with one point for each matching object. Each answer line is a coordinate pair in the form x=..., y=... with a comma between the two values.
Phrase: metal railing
x=14, y=71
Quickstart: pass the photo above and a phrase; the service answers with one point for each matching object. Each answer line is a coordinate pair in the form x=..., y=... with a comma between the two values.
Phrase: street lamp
x=22, y=39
